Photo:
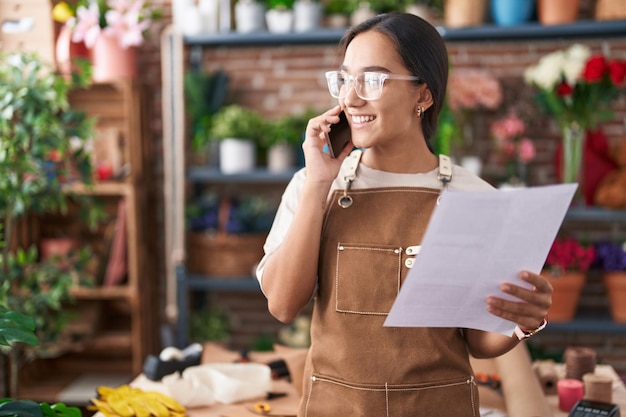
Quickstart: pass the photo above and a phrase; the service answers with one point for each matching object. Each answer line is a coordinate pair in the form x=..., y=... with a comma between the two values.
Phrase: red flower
x=564, y=89
x=569, y=254
x=617, y=72
x=595, y=68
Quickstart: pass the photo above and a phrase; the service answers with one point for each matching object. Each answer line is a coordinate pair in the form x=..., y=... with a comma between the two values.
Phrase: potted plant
x=281, y=139
x=565, y=268
x=205, y=93
x=111, y=30
x=249, y=16
x=337, y=13
x=279, y=16
x=42, y=145
x=611, y=257
x=210, y=324
x=15, y=328
x=307, y=15
x=238, y=129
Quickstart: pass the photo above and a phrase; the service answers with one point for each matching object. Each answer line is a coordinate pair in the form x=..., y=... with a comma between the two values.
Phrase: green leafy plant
x=280, y=4
x=338, y=7
x=42, y=146
x=16, y=328
x=204, y=96
x=234, y=121
x=209, y=325
x=288, y=129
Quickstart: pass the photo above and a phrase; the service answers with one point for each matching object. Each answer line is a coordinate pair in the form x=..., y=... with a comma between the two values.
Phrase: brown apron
x=357, y=367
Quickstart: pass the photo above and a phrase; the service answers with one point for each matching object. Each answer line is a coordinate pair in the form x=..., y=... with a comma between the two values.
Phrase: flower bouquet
x=109, y=29
x=577, y=88
x=469, y=93
x=512, y=148
x=565, y=268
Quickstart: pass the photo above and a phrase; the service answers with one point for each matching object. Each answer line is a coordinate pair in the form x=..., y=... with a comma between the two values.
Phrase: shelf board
x=492, y=32
x=199, y=282
x=589, y=322
x=101, y=293
x=258, y=176
x=595, y=214
x=109, y=188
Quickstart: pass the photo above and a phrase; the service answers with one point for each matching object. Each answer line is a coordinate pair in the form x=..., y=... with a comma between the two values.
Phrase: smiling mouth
x=362, y=119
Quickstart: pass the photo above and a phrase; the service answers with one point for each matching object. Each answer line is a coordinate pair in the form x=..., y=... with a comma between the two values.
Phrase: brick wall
x=284, y=79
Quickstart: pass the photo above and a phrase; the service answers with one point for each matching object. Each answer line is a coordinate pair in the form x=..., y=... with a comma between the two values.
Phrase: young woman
x=346, y=227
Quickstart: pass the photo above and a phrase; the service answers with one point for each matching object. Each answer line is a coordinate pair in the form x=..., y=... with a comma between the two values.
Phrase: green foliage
x=204, y=95
x=383, y=6
x=39, y=290
x=42, y=142
x=15, y=327
x=339, y=7
x=447, y=134
x=29, y=408
x=288, y=129
x=280, y=4
x=234, y=121
x=209, y=325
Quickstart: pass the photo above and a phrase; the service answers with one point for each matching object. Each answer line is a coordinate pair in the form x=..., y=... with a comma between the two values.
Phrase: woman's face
x=388, y=124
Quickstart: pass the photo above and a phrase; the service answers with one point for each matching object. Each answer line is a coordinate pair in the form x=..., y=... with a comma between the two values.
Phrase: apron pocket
x=330, y=397
x=354, y=262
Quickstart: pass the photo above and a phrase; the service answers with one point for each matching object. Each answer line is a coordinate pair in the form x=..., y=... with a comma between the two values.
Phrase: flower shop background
x=280, y=80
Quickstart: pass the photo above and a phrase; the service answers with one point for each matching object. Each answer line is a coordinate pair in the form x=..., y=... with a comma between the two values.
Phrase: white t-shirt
x=366, y=177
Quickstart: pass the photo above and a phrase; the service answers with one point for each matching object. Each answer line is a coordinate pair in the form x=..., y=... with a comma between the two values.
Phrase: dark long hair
x=422, y=51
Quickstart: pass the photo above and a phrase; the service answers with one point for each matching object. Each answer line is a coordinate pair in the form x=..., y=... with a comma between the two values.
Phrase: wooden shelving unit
x=127, y=327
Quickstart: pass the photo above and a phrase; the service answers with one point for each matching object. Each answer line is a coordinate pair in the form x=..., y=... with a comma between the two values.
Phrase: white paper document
x=475, y=241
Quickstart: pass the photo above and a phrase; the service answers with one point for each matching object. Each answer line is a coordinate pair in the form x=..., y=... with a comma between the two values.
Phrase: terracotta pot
x=567, y=288
x=66, y=51
x=58, y=248
x=463, y=13
x=615, y=283
x=111, y=62
x=557, y=12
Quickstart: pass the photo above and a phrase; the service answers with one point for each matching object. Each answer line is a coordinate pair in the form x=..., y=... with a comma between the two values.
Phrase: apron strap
x=352, y=164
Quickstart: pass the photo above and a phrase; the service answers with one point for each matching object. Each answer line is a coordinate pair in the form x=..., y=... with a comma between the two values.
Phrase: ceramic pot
x=249, y=16
x=281, y=157
x=463, y=13
x=307, y=15
x=111, y=61
x=557, y=12
x=567, y=289
x=66, y=51
x=615, y=283
x=237, y=155
x=279, y=21
x=511, y=12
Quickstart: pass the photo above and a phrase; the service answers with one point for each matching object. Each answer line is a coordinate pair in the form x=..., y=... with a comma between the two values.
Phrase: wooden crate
x=224, y=255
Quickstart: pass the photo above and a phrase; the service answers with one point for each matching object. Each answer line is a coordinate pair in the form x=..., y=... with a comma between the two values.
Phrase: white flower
x=576, y=57
x=548, y=71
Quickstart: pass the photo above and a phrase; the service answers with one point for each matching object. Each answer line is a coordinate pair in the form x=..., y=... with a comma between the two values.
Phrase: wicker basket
x=610, y=9
x=224, y=255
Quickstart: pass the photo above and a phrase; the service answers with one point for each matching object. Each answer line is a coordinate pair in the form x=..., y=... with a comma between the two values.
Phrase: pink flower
x=472, y=89
x=86, y=25
x=525, y=150
x=124, y=21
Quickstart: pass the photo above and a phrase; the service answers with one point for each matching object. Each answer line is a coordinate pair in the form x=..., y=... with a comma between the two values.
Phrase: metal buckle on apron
x=444, y=175
x=411, y=250
x=445, y=172
x=345, y=200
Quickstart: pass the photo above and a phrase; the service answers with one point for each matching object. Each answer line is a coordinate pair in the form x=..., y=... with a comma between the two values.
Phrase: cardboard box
x=27, y=25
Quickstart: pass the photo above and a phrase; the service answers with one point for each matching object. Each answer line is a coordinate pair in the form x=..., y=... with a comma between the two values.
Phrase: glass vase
x=572, y=154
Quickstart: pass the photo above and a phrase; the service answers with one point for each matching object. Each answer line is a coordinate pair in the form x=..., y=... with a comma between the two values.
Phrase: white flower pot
x=249, y=16
x=307, y=15
x=281, y=157
x=279, y=21
x=237, y=155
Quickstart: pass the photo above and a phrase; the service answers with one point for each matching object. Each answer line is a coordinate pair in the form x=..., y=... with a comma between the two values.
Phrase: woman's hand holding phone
x=321, y=166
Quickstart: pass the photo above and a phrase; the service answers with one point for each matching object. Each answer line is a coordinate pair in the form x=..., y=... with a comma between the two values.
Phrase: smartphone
x=339, y=136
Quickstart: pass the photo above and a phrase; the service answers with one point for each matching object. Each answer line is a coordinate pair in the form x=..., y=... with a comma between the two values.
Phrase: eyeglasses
x=368, y=85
